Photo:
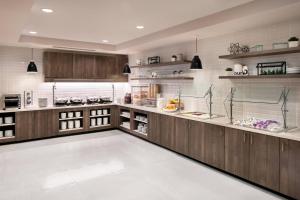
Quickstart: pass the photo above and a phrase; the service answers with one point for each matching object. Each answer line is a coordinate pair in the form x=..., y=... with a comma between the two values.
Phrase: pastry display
x=173, y=105
x=262, y=124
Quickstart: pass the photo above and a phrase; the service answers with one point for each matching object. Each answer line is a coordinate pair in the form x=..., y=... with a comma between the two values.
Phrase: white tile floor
x=111, y=165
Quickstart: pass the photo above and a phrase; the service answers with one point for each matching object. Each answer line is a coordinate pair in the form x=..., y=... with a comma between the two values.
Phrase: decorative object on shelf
x=280, y=45
x=138, y=62
x=293, y=42
x=245, y=70
x=196, y=62
x=238, y=69
x=31, y=68
x=229, y=71
x=271, y=68
x=126, y=69
x=245, y=49
x=257, y=48
x=154, y=75
x=174, y=58
x=154, y=60
x=234, y=48
x=127, y=98
x=28, y=98
x=43, y=102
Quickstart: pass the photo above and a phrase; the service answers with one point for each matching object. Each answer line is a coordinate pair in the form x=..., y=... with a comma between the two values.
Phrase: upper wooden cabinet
x=58, y=65
x=84, y=67
x=61, y=66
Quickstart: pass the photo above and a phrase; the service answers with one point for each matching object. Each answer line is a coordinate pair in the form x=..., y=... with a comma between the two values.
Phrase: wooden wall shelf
x=163, y=64
x=165, y=78
x=261, y=76
x=262, y=53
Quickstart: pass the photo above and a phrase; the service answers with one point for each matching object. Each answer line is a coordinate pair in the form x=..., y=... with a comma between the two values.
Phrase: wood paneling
x=167, y=129
x=196, y=140
x=289, y=168
x=44, y=124
x=58, y=65
x=84, y=67
x=153, y=126
x=24, y=125
x=214, y=148
x=264, y=160
x=104, y=66
x=181, y=137
x=237, y=152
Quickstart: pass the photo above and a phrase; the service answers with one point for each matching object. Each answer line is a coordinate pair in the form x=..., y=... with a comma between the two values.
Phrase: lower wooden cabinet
x=44, y=124
x=214, y=148
x=181, y=136
x=167, y=131
x=196, y=140
x=24, y=125
x=237, y=152
x=289, y=168
x=153, y=126
x=264, y=160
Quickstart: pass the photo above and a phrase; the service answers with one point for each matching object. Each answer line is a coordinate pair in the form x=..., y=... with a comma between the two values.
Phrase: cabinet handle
x=244, y=137
x=251, y=139
x=282, y=147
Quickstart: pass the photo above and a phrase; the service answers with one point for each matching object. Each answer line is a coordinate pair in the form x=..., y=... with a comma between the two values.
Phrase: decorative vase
x=293, y=44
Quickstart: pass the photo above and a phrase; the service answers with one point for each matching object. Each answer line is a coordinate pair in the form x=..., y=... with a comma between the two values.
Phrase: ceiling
x=83, y=24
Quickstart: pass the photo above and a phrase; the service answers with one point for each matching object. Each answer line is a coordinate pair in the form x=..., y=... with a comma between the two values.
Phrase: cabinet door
x=196, y=140
x=121, y=61
x=24, y=125
x=44, y=124
x=237, y=152
x=84, y=67
x=167, y=130
x=154, y=132
x=102, y=65
x=181, y=136
x=289, y=168
x=214, y=145
x=58, y=65
x=264, y=160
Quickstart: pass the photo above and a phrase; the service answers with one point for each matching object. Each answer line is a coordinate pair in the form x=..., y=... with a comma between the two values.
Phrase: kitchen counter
x=35, y=108
x=293, y=134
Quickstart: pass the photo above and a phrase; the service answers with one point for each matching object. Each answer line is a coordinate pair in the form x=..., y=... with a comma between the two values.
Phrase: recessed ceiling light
x=47, y=10
x=139, y=27
x=105, y=41
x=33, y=32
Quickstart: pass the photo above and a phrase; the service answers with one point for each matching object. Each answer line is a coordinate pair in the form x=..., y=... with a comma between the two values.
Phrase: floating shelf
x=163, y=64
x=165, y=78
x=262, y=53
x=283, y=76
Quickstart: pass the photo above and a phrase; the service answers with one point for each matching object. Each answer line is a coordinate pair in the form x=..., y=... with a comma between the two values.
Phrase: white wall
x=210, y=49
x=14, y=79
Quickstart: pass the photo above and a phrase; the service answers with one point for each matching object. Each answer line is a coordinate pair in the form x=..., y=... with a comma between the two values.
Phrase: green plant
x=293, y=39
x=228, y=69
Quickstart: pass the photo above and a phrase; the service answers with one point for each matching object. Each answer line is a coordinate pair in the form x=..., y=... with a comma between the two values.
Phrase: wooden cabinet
x=121, y=60
x=214, y=148
x=84, y=67
x=154, y=131
x=167, y=129
x=237, y=152
x=24, y=125
x=58, y=65
x=196, y=140
x=104, y=65
x=181, y=136
x=289, y=168
x=45, y=124
x=264, y=160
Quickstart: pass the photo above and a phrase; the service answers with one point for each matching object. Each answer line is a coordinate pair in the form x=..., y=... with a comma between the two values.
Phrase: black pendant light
x=196, y=62
x=126, y=69
x=31, y=68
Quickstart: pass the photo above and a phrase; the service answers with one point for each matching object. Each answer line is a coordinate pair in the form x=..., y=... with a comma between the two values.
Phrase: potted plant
x=229, y=71
x=293, y=42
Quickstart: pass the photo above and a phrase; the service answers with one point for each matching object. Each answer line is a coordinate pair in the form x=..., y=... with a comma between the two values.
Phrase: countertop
x=293, y=134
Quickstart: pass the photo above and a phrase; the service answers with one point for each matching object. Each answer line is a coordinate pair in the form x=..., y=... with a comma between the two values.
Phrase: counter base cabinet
x=154, y=132
x=24, y=126
x=264, y=160
x=289, y=168
x=181, y=137
x=44, y=124
x=196, y=140
x=167, y=131
x=237, y=152
x=214, y=140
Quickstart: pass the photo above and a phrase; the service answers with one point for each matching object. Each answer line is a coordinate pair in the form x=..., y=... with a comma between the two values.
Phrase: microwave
x=12, y=101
